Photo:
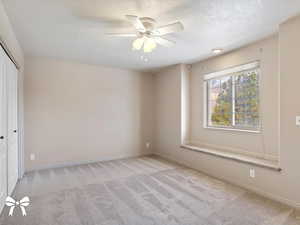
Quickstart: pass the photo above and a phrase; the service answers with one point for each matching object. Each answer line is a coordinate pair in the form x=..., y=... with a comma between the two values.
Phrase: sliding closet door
x=3, y=131
x=12, y=130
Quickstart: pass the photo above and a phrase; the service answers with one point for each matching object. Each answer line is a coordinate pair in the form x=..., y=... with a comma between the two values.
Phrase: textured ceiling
x=74, y=29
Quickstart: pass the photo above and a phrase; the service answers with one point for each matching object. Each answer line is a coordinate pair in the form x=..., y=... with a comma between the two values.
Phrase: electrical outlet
x=297, y=120
x=252, y=173
x=147, y=144
x=32, y=156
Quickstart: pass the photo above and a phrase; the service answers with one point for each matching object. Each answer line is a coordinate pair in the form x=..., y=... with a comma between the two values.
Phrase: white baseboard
x=78, y=163
x=274, y=197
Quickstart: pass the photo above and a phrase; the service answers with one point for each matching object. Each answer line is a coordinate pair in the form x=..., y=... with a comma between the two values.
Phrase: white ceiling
x=74, y=29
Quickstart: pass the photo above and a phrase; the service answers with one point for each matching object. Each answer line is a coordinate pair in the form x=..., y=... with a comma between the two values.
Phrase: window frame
x=224, y=73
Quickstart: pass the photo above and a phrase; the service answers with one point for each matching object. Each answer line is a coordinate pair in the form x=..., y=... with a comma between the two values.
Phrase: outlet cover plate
x=297, y=120
x=32, y=156
x=252, y=173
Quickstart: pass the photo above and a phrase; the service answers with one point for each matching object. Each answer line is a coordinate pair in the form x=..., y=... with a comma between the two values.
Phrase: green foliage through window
x=233, y=100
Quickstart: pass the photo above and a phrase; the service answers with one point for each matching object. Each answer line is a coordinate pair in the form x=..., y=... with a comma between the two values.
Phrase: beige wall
x=289, y=37
x=79, y=113
x=167, y=95
x=283, y=186
x=264, y=144
x=8, y=36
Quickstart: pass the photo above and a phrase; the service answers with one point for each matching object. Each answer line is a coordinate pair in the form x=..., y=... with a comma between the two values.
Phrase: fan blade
x=170, y=28
x=137, y=23
x=120, y=35
x=164, y=42
x=99, y=21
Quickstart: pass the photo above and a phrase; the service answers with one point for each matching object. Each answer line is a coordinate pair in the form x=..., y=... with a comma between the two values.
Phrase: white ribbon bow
x=10, y=202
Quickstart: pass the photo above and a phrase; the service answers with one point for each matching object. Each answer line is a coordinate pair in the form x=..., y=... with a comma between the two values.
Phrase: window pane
x=247, y=99
x=220, y=101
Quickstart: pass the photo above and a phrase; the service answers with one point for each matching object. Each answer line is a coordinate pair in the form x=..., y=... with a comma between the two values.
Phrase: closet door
x=3, y=131
x=12, y=130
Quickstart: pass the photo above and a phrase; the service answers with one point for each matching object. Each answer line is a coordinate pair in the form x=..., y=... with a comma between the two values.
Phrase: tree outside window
x=233, y=100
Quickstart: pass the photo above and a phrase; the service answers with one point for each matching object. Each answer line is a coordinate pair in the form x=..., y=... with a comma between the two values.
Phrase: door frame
x=20, y=115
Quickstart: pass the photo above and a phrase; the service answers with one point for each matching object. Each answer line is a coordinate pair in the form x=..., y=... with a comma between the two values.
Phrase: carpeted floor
x=140, y=191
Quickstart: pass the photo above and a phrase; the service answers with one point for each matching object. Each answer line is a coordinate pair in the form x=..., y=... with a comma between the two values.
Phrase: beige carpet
x=140, y=191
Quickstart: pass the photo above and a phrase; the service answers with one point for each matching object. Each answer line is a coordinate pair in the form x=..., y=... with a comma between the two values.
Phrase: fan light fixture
x=148, y=42
x=138, y=43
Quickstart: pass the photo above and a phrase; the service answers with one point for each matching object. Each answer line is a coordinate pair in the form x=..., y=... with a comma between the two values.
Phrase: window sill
x=268, y=164
x=232, y=129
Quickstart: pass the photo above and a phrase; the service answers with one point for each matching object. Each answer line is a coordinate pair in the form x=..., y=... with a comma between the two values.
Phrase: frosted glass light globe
x=138, y=43
x=149, y=45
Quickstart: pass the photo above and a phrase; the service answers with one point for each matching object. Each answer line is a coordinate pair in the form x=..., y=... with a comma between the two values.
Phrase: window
x=232, y=98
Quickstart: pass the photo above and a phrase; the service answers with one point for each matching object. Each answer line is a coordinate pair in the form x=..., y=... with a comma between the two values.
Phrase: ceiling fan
x=147, y=34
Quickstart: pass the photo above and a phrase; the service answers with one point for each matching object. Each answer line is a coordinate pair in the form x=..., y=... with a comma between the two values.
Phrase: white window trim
x=231, y=70
x=235, y=69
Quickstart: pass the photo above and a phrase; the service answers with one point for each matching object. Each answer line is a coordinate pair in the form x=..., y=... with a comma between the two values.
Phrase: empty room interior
x=148, y=112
